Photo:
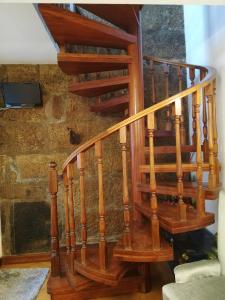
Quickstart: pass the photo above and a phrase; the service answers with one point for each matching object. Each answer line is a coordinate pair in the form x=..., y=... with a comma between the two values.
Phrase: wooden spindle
x=182, y=126
x=63, y=49
x=126, y=211
x=67, y=217
x=182, y=210
x=53, y=189
x=102, y=223
x=70, y=175
x=200, y=205
x=212, y=167
x=83, y=216
x=168, y=109
x=215, y=135
x=192, y=79
x=205, y=147
x=153, y=199
x=152, y=79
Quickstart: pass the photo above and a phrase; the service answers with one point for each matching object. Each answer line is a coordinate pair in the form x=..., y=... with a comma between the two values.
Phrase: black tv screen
x=21, y=94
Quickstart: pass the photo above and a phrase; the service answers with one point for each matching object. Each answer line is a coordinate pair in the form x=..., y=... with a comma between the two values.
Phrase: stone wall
x=30, y=138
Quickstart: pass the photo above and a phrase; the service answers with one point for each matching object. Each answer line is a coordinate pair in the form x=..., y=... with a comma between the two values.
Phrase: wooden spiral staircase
x=167, y=171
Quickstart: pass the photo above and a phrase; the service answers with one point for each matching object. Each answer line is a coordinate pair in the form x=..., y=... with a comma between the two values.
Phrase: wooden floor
x=161, y=275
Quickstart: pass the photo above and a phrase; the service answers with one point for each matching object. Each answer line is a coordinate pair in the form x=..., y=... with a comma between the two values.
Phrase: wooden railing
x=201, y=97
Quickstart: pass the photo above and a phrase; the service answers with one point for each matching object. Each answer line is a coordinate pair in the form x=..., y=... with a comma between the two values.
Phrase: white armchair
x=205, y=279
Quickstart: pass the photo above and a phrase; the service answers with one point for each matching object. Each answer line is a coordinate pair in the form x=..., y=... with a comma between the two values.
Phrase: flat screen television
x=18, y=95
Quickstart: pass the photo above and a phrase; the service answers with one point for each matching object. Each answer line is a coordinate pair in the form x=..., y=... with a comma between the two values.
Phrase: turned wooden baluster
x=53, y=189
x=153, y=200
x=215, y=135
x=126, y=211
x=212, y=165
x=83, y=217
x=182, y=127
x=102, y=223
x=168, y=109
x=182, y=210
x=67, y=217
x=152, y=79
x=200, y=204
x=205, y=146
x=192, y=79
x=70, y=175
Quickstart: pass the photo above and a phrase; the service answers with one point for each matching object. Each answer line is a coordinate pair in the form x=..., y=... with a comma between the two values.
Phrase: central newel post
x=137, y=129
x=136, y=104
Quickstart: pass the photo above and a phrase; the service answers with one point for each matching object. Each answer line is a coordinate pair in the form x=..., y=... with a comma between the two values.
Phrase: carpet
x=21, y=284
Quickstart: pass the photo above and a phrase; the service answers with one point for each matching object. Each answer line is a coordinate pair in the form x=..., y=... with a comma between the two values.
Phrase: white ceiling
x=23, y=37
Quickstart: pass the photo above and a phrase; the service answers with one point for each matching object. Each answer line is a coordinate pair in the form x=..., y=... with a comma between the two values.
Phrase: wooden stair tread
x=172, y=167
x=99, y=87
x=171, y=149
x=82, y=286
x=73, y=63
x=168, y=220
x=112, y=105
x=141, y=249
x=70, y=28
x=91, y=270
x=115, y=13
x=76, y=281
x=190, y=189
x=59, y=287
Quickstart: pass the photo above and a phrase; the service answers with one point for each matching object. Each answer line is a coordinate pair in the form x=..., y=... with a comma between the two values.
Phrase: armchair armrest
x=197, y=270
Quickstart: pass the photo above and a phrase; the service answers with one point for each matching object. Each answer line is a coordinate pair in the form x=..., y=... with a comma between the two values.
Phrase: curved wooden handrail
x=173, y=62
x=211, y=75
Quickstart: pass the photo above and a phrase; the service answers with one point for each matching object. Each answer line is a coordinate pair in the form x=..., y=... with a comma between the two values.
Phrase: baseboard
x=25, y=258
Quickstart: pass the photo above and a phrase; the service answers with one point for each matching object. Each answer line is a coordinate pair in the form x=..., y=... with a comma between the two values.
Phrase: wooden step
x=112, y=105
x=111, y=276
x=75, y=280
x=70, y=28
x=80, y=287
x=115, y=13
x=99, y=87
x=72, y=63
x=168, y=220
x=141, y=249
x=171, y=168
x=190, y=189
x=171, y=149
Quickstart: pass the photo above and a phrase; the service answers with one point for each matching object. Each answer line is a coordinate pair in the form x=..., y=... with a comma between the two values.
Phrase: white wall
x=205, y=45
x=23, y=36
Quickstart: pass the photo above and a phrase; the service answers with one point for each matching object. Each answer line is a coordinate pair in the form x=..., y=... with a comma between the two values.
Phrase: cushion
x=197, y=270
x=210, y=288
x=221, y=231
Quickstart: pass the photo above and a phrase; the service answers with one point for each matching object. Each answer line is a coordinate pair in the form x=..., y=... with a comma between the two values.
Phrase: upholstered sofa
x=205, y=279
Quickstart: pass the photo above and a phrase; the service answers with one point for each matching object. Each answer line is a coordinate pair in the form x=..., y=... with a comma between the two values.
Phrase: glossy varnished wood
x=169, y=221
x=142, y=248
x=109, y=275
x=115, y=13
x=95, y=88
x=79, y=63
x=172, y=168
x=171, y=149
x=113, y=105
x=190, y=189
x=69, y=28
x=53, y=190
